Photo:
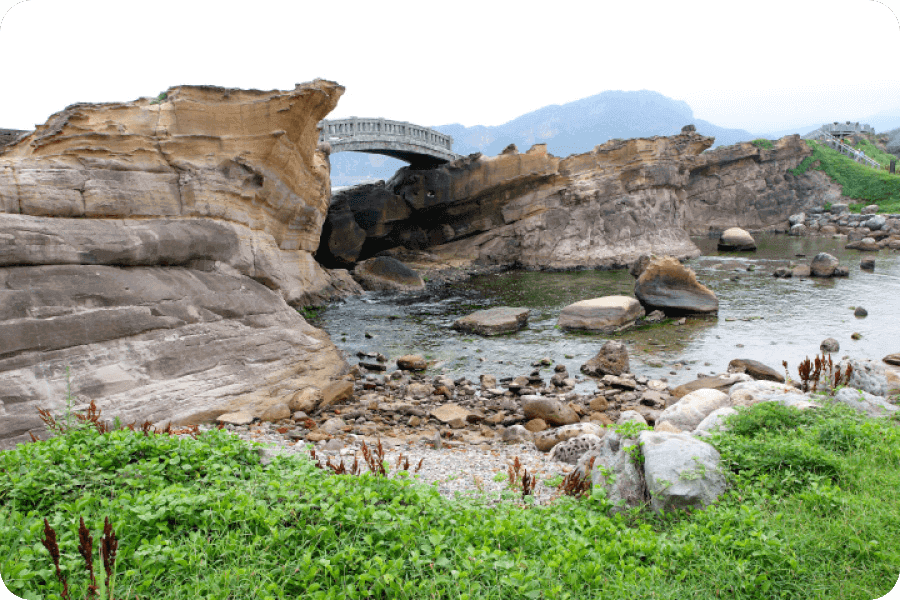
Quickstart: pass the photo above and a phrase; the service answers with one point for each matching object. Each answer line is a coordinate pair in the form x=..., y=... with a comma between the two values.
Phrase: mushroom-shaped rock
x=612, y=359
x=681, y=471
x=601, y=314
x=754, y=369
x=493, y=321
x=823, y=265
x=736, y=238
x=386, y=273
x=668, y=285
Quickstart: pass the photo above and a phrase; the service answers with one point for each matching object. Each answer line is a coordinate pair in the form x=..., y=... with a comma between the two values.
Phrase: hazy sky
x=760, y=65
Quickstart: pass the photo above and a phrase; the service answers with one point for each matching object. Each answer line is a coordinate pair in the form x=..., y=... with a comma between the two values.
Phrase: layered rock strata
x=149, y=252
x=604, y=208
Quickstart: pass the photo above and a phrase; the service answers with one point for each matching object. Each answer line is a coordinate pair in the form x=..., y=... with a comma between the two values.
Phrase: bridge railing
x=853, y=153
x=356, y=127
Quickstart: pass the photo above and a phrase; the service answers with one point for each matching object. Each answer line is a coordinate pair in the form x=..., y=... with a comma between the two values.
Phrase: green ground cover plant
x=859, y=182
x=763, y=143
x=875, y=153
x=811, y=512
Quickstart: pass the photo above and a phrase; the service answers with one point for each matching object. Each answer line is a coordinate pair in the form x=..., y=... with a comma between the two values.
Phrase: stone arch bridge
x=420, y=146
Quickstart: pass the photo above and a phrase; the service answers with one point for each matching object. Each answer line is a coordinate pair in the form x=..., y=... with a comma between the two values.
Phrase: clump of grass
x=763, y=143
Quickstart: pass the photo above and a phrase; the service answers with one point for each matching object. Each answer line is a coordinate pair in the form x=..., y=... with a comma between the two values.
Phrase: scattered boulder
x=859, y=311
x=384, y=273
x=448, y=413
x=572, y=449
x=680, y=470
x=864, y=402
x=516, y=434
x=867, y=263
x=412, y=362
x=798, y=230
x=305, y=400
x=546, y=440
x=869, y=209
x=615, y=471
x=875, y=223
x=276, y=412
x=612, y=359
x=839, y=208
x=867, y=244
x=892, y=359
x=668, y=285
x=797, y=219
x=691, y=409
x=601, y=314
x=722, y=383
x=736, y=238
x=714, y=420
x=336, y=392
x=536, y=425
x=782, y=272
x=754, y=369
x=236, y=418
x=631, y=416
x=829, y=346
x=493, y=321
x=823, y=265
x=749, y=393
x=801, y=271
x=550, y=410
x=333, y=426
x=867, y=375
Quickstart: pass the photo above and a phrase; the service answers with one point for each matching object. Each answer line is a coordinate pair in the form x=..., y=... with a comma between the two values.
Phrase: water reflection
x=760, y=317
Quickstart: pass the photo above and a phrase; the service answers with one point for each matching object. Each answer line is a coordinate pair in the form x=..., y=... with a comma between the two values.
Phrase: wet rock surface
x=493, y=321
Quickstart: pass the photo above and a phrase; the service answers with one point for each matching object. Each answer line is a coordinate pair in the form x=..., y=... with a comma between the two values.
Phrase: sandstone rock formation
x=604, y=208
x=735, y=238
x=601, y=314
x=384, y=273
x=150, y=250
x=493, y=321
x=668, y=285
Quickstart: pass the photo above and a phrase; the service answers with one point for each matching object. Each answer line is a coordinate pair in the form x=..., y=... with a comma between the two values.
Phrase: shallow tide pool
x=760, y=317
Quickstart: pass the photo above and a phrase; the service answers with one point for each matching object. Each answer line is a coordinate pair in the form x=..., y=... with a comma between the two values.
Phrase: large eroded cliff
x=603, y=208
x=149, y=250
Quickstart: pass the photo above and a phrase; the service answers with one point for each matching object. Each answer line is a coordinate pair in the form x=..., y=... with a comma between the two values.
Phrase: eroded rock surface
x=668, y=285
x=149, y=253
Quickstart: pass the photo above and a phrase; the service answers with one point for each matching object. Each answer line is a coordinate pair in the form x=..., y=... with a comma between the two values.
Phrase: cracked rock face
x=149, y=252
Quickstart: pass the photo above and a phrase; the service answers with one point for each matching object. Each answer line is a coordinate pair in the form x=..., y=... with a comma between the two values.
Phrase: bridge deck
x=420, y=146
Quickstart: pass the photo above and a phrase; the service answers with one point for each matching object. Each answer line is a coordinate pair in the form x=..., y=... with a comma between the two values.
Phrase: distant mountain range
x=570, y=128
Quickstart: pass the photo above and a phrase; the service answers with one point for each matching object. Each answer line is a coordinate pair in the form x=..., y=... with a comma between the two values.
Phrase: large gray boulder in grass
x=691, y=409
x=384, y=273
x=680, y=470
x=493, y=321
x=668, y=285
x=736, y=238
x=867, y=375
x=748, y=393
x=615, y=470
x=601, y=314
x=864, y=402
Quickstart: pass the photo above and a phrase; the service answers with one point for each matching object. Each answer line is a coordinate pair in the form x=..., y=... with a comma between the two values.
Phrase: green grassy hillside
x=861, y=183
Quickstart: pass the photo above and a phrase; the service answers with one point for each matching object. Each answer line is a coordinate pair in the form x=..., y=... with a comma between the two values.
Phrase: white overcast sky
x=760, y=65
